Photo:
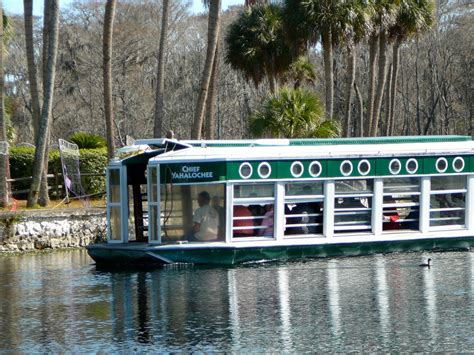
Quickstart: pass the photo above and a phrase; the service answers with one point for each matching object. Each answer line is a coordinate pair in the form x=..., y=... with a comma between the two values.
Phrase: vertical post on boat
x=328, y=212
x=229, y=202
x=377, y=207
x=425, y=204
x=279, y=225
x=470, y=203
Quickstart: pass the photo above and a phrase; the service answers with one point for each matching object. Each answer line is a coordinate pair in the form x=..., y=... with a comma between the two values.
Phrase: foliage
x=301, y=71
x=412, y=18
x=87, y=140
x=293, y=113
x=91, y=161
x=256, y=45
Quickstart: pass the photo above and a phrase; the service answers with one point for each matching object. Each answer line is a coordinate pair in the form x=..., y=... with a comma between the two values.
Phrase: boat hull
x=145, y=254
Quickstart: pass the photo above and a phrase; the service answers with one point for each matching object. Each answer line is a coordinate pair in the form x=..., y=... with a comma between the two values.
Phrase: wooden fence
x=55, y=183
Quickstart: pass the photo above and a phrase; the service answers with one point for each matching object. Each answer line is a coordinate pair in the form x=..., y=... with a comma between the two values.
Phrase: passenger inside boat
x=306, y=215
x=391, y=217
x=243, y=224
x=266, y=229
x=205, y=219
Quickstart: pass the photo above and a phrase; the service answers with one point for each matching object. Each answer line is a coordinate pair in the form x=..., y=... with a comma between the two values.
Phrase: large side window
x=253, y=210
x=153, y=203
x=114, y=205
x=448, y=200
x=401, y=204
x=192, y=213
x=304, y=208
x=353, y=206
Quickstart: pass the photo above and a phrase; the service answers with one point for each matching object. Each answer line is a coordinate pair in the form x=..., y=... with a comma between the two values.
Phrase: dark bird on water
x=427, y=264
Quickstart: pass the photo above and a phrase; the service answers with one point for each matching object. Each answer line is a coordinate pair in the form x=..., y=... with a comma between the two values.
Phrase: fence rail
x=57, y=185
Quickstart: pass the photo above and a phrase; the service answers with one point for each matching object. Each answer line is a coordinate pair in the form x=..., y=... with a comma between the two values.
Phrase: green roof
x=336, y=141
x=381, y=140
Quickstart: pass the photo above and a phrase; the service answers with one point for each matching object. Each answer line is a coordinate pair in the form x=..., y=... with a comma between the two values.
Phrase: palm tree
x=383, y=18
x=212, y=36
x=256, y=45
x=43, y=128
x=3, y=126
x=44, y=192
x=211, y=101
x=160, y=77
x=301, y=70
x=413, y=17
x=353, y=26
x=33, y=85
x=30, y=56
x=313, y=20
x=107, y=75
x=292, y=113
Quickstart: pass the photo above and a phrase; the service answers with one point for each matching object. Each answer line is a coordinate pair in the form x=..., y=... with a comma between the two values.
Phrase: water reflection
x=61, y=303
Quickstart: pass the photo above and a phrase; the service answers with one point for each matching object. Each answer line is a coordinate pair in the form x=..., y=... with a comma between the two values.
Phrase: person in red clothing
x=391, y=216
x=242, y=211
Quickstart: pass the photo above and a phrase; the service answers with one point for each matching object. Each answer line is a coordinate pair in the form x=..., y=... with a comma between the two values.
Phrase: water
x=59, y=302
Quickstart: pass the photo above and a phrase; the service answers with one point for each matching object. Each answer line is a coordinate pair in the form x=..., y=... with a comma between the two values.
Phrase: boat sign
x=195, y=173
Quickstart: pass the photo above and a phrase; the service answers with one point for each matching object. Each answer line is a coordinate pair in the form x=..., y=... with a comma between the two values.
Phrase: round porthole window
x=441, y=165
x=264, y=170
x=458, y=164
x=346, y=168
x=363, y=167
x=411, y=166
x=245, y=170
x=395, y=166
x=315, y=169
x=297, y=169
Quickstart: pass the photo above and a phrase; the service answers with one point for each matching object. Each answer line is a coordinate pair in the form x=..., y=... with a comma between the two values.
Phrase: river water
x=60, y=302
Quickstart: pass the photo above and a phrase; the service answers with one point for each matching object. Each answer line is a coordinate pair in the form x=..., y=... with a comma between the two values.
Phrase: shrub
x=88, y=141
x=91, y=161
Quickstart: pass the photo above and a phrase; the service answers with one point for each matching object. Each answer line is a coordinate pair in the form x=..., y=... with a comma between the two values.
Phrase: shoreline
x=45, y=230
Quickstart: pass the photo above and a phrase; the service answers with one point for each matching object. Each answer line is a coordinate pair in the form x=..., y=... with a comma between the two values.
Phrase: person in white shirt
x=205, y=219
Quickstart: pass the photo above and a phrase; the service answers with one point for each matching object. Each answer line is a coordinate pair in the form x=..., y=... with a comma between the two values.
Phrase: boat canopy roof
x=273, y=149
x=164, y=150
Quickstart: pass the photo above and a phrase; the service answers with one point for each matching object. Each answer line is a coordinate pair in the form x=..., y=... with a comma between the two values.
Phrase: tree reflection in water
x=62, y=303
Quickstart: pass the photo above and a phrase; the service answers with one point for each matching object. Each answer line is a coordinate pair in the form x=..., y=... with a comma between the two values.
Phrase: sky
x=16, y=6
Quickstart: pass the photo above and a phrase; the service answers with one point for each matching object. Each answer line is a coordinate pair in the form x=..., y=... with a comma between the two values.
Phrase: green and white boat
x=236, y=201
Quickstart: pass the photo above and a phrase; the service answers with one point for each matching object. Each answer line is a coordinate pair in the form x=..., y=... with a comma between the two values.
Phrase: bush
x=91, y=161
x=87, y=140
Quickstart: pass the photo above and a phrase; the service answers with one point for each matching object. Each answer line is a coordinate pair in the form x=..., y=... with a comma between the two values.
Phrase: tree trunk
x=373, y=46
x=30, y=56
x=382, y=78
x=44, y=193
x=388, y=95
x=393, y=90
x=350, y=83
x=211, y=101
x=43, y=129
x=3, y=126
x=212, y=36
x=328, y=72
x=160, y=77
x=107, y=75
x=360, y=104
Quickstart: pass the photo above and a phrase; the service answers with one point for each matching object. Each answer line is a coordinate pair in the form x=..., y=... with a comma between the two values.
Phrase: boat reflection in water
x=369, y=304
x=59, y=302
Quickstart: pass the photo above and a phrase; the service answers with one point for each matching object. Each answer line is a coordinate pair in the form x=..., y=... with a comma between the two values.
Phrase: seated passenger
x=391, y=217
x=242, y=211
x=267, y=222
x=306, y=212
x=205, y=219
